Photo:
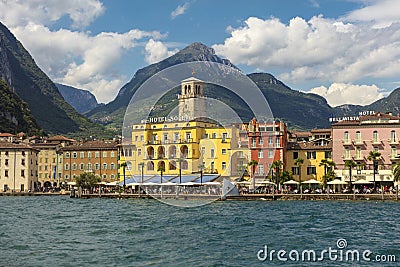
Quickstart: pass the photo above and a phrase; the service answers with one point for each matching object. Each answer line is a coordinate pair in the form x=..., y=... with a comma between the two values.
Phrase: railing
x=393, y=141
x=346, y=142
x=376, y=141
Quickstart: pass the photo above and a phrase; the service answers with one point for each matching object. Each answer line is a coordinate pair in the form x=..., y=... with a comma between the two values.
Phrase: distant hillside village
x=363, y=150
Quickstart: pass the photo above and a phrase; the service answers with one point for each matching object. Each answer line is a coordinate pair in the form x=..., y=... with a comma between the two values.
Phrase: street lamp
x=201, y=167
x=141, y=165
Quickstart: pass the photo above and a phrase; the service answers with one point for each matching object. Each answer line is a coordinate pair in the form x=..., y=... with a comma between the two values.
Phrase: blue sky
x=341, y=49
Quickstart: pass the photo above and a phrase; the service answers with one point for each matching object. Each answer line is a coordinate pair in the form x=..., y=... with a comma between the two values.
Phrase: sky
x=345, y=50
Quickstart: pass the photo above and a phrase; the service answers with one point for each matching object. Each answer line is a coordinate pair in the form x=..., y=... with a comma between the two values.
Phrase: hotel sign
x=352, y=118
x=166, y=119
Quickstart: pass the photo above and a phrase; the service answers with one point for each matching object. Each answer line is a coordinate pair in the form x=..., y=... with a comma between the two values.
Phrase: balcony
x=394, y=157
x=376, y=142
x=347, y=157
x=359, y=142
x=347, y=142
x=393, y=141
x=359, y=158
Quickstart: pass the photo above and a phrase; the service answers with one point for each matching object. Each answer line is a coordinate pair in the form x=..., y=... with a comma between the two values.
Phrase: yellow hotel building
x=312, y=148
x=189, y=144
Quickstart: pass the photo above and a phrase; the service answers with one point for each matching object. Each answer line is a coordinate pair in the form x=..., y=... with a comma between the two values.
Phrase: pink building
x=353, y=140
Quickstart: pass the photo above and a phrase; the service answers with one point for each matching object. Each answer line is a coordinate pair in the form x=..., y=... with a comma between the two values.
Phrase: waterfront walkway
x=375, y=197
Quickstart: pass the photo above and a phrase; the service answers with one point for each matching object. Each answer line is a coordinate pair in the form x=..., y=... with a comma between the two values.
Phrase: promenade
x=243, y=197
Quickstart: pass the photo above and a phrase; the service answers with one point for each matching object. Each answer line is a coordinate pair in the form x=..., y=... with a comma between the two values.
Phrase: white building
x=18, y=167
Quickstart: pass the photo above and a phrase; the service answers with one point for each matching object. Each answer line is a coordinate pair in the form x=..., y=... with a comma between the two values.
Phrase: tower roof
x=191, y=79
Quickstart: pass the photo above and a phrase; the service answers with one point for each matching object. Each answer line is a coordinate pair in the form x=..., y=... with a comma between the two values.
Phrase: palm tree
x=350, y=164
x=298, y=162
x=327, y=164
x=374, y=156
x=277, y=165
x=396, y=178
x=252, y=164
x=161, y=169
x=123, y=165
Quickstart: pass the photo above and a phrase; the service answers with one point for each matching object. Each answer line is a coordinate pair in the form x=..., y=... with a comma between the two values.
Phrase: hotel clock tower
x=192, y=103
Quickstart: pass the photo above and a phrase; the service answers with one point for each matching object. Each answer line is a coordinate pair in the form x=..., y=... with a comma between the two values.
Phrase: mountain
x=81, y=100
x=298, y=109
x=15, y=115
x=391, y=103
x=114, y=111
x=31, y=84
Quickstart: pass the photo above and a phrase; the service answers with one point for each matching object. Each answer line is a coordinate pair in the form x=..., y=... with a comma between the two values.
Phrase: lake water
x=59, y=231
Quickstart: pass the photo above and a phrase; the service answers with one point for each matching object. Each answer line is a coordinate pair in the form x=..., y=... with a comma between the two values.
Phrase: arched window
x=150, y=166
x=346, y=137
x=172, y=165
x=375, y=137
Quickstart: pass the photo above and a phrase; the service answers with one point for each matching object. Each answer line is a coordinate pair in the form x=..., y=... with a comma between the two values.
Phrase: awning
x=336, y=181
x=291, y=182
x=362, y=181
x=311, y=181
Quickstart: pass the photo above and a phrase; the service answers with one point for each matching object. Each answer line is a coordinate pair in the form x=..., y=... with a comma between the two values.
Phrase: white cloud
x=79, y=59
x=179, y=10
x=73, y=57
x=381, y=12
x=321, y=50
x=46, y=12
x=342, y=93
x=157, y=51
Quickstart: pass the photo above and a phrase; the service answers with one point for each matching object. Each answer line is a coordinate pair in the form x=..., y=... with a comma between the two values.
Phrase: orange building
x=97, y=157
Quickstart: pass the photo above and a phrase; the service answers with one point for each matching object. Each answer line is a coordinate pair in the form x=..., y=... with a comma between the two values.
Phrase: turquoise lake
x=59, y=231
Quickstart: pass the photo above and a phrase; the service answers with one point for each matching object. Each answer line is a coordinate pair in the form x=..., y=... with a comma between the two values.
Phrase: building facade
x=97, y=157
x=353, y=140
x=312, y=147
x=18, y=167
x=267, y=143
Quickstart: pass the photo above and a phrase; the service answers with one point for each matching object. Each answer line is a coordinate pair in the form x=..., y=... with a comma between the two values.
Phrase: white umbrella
x=362, y=181
x=244, y=182
x=101, y=183
x=291, y=182
x=113, y=183
x=71, y=183
x=336, y=181
x=311, y=181
x=266, y=183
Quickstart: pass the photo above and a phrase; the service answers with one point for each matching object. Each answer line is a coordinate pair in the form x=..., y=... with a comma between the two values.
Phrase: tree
x=374, y=156
x=123, y=165
x=286, y=176
x=350, y=164
x=298, y=162
x=161, y=170
x=327, y=164
x=277, y=165
x=87, y=180
x=252, y=164
x=396, y=177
